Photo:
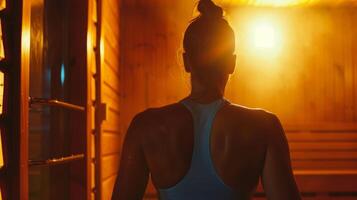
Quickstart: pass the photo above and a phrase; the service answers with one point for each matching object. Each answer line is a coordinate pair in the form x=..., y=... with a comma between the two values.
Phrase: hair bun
x=208, y=9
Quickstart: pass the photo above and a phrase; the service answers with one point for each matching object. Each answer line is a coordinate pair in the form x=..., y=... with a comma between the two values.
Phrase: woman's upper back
x=237, y=145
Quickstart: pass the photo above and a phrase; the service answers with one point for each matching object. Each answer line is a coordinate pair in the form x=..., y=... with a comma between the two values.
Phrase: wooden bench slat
x=325, y=164
x=307, y=146
x=325, y=155
x=327, y=136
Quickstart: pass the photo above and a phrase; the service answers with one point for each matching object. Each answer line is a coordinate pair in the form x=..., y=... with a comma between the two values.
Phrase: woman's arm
x=278, y=179
x=133, y=171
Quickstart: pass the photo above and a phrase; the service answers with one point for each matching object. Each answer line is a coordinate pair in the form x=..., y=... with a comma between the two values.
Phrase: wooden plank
x=111, y=143
x=111, y=58
x=328, y=155
x=113, y=119
x=93, y=68
x=108, y=186
x=111, y=79
x=327, y=183
x=92, y=92
x=112, y=42
x=114, y=6
x=324, y=164
x=110, y=11
x=92, y=117
x=320, y=126
x=92, y=146
x=108, y=27
x=110, y=98
x=110, y=165
x=111, y=126
x=317, y=137
x=324, y=146
x=92, y=181
x=92, y=196
x=110, y=89
x=320, y=172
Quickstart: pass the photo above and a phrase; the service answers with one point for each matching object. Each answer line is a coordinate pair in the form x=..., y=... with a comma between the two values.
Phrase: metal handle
x=56, y=161
x=54, y=102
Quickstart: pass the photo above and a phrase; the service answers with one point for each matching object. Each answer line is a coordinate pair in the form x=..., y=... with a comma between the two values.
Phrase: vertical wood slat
x=91, y=103
x=16, y=32
x=23, y=80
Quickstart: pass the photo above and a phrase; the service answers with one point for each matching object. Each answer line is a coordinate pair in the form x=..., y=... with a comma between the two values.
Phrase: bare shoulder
x=154, y=115
x=257, y=119
x=256, y=114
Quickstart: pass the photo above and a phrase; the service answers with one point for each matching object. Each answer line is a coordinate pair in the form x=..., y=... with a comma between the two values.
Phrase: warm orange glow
x=1, y=153
x=90, y=42
x=265, y=35
x=102, y=53
x=2, y=52
x=26, y=40
x=259, y=36
x=280, y=2
x=1, y=91
x=284, y=3
x=2, y=4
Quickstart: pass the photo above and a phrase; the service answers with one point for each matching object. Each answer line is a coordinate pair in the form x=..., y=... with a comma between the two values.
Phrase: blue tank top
x=201, y=180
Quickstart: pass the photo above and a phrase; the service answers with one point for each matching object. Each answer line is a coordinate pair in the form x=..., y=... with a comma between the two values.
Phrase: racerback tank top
x=201, y=180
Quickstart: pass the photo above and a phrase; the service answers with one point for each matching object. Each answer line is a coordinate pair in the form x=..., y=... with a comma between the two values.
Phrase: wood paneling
x=110, y=164
x=111, y=143
x=110, y=137
x=92, y=94
x=108, y=184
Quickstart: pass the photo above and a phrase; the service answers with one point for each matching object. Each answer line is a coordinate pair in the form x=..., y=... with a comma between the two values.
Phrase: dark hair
x=209, y=31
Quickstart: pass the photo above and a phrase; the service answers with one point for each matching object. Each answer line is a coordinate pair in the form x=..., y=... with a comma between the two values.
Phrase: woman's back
x=238, y=145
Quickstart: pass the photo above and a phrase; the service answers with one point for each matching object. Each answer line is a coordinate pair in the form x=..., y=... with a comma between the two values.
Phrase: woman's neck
x=205, y=94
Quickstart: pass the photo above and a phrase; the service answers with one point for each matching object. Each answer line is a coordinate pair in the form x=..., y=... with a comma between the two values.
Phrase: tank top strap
x=201, y=180
x=203, y=117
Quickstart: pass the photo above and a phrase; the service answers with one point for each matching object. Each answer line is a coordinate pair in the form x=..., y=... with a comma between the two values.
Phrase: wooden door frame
x=98, y=100
x=18, y=16
x=16, y=23
x=19, y=12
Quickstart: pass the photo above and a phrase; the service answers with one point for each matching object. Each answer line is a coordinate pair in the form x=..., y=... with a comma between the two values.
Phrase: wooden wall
x=150, y=55
x=311, y=84
x=312, y=79
x=92, y=96
x=103, y=59
x=151, y=66
x=110, y=139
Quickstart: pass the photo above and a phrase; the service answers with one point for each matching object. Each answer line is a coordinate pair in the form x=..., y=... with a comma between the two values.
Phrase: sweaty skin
x=246, y=144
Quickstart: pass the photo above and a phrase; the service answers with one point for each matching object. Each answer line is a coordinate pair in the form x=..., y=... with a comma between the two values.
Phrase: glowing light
x=102, y=50
x=26, y=40
x=265, y=36
x=1, y=91
x=275, y=3
x=2, y=52
x=279, y=2
x=63, y=74
x=1, y=152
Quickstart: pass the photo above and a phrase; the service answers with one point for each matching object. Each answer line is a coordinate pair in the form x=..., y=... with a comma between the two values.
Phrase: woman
x=205, y=147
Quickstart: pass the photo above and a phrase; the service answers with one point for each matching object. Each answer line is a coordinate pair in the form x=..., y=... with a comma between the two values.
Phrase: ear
x=231, y=63
x=186, y=62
